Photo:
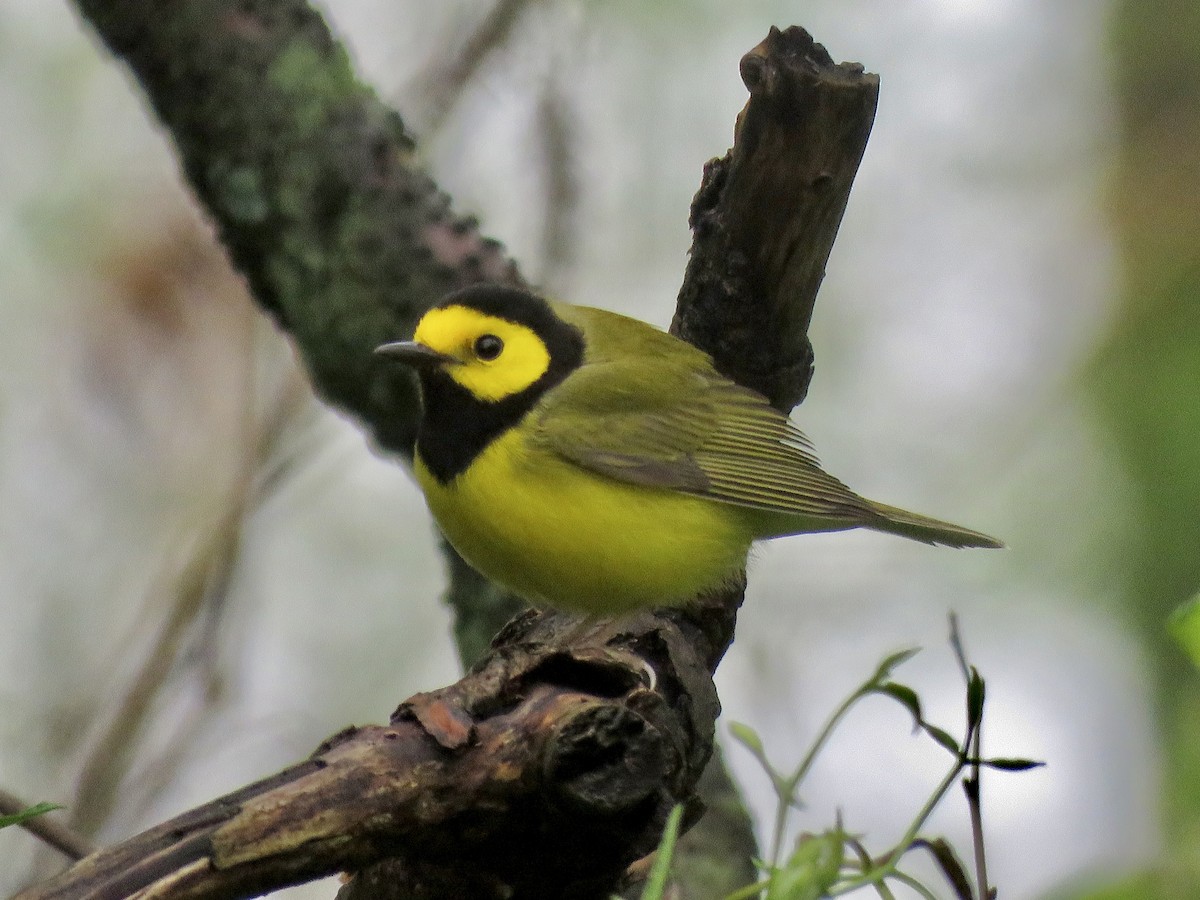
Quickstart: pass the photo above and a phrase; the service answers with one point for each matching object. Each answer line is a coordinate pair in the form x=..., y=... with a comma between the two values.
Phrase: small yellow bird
x=590, y=462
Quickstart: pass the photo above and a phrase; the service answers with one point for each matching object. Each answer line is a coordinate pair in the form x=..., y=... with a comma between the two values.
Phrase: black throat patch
x=456, y=426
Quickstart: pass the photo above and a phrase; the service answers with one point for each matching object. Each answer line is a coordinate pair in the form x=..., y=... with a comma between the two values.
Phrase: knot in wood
x=605, y=759
x=754, y=71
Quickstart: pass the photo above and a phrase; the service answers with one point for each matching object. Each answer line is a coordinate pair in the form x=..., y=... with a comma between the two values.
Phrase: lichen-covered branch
x=312, y=183
x=315, y=190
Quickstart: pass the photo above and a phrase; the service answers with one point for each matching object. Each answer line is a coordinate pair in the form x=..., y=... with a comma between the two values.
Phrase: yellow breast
x=559, y=535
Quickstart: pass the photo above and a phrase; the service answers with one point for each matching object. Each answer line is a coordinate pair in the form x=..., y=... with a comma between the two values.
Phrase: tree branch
x=766, y=215
x=544, y=772
x=311, y=181
x=548, y=768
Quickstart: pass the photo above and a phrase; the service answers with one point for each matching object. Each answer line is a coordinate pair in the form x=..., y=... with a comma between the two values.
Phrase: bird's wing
x=659, y=424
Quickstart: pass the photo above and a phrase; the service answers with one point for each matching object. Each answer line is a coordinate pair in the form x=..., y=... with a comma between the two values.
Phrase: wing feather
x=688, y=428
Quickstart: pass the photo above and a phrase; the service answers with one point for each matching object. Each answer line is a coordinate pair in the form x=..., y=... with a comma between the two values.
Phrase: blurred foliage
x=1185, y=628
x=1146, y=384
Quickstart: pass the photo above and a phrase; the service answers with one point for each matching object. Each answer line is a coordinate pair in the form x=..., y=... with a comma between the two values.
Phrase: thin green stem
x=974, y=747
x=975, y=805
x=785, y=804
x=888, y=866
x=956, y=644
x=911, y=882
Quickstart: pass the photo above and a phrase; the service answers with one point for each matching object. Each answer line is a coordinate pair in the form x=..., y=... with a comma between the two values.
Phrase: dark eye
x=488, y=347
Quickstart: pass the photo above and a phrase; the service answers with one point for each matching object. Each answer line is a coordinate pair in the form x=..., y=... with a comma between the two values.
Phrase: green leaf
x=864, y=858
x=1011, y=764
x=660, y=873
x=975, y=696
x=830, y=865
x=1184, y=625
x=906, y=696
x=748, y=738
x=811, y=870
x=942, y=737
x=1138, y=886
x=25, y=815
x=890, y=662
x=952, y=868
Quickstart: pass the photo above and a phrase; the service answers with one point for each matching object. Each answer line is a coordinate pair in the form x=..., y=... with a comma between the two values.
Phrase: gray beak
x=411, y=353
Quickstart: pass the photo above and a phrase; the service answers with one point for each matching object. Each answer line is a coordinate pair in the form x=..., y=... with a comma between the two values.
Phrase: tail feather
x=907, y=524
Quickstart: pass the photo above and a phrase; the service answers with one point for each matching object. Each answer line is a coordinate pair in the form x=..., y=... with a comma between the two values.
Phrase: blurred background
x=204, y=571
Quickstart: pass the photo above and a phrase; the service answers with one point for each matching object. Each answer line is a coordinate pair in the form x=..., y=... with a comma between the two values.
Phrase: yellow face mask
x=495, y=358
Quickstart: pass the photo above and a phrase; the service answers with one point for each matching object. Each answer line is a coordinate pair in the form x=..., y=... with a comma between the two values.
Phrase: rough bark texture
x=542, y=773
x=766, y=215
x=552, y=765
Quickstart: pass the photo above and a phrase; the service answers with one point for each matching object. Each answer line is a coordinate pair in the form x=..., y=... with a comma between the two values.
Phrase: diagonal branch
x=312, y=183
x=543, y=772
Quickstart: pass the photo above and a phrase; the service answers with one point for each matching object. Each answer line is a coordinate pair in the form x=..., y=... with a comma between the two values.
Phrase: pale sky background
x=971, y=279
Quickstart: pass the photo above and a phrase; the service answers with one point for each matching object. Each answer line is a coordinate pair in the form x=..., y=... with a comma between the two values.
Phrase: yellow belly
x=564, y=537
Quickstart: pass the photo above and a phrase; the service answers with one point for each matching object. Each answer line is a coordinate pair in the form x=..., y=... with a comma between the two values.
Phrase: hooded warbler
x=590, y=462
